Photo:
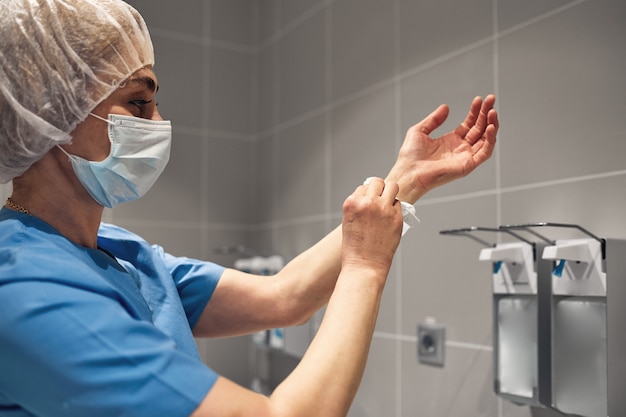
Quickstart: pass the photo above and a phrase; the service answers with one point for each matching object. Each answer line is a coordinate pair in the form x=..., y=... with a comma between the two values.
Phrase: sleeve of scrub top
x=195, y=280
x=76, y=353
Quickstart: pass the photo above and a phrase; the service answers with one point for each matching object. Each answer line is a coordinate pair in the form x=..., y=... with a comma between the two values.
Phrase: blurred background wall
x=282, y=107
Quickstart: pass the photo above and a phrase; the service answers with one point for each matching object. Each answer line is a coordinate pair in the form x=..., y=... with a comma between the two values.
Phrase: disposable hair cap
x=58, y=60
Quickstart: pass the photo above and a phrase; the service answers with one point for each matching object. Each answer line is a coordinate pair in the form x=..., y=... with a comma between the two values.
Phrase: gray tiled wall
x=382, y=66
x=281, y=107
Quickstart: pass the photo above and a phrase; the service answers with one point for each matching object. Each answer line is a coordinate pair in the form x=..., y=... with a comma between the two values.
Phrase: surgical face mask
x=140, y=149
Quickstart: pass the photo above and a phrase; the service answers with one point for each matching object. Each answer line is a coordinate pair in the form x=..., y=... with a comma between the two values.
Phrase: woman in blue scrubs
x=94, y=321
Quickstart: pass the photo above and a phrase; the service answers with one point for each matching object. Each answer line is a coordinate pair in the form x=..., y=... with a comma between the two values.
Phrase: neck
x=50, y=191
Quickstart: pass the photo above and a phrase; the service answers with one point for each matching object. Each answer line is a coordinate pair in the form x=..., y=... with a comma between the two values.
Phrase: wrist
x=366, y=270
x=411, y=189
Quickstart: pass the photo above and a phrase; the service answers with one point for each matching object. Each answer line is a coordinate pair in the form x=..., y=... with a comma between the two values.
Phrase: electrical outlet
x=431, y=343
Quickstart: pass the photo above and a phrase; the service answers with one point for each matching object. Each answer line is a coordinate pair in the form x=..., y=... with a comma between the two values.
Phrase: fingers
x=491, y=129
x=376, y=186
x=492, y=119
x=479, y=117
x=390, y=192
x=482, y=150
x=471, y=117
x=373, y=187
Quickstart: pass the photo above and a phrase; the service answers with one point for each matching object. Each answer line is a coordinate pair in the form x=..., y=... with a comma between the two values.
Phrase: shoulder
x=122, y=243
x=30, y=246
x=113, y=232
x=32, y=250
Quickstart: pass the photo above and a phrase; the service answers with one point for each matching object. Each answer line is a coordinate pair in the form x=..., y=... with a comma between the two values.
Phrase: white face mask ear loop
x=64, y=151
x=101, y=118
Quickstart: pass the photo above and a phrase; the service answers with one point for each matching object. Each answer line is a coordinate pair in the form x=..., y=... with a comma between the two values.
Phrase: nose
x=156, y=115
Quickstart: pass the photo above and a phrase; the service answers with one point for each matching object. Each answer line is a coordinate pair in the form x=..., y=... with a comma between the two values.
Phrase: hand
x=372, y=225
x=425, y=163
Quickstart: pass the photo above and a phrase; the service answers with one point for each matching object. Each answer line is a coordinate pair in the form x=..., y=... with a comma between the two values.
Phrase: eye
x=140, y=103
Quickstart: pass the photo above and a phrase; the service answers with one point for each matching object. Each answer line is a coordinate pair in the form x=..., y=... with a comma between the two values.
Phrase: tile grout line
x=398, y=141
x=449, y=343
x=324, y=216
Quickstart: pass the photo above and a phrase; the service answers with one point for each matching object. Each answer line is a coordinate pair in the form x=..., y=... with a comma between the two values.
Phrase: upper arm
x=66, y=351
x=195, y=281
x=242, y=304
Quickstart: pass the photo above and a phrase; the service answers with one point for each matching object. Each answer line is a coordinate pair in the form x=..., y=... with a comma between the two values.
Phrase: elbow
x=294, y=304
x=293, y=312
x=292, y=316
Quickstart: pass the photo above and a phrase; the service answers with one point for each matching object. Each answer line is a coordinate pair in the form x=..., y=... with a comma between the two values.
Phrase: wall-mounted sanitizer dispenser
x=588, y=310
x=559, y=321
x=588, y=346
x=520, y=341
x=515, y=312
x=579, y=327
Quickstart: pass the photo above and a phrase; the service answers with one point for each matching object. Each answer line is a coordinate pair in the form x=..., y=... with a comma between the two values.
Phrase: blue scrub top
x=98, y=332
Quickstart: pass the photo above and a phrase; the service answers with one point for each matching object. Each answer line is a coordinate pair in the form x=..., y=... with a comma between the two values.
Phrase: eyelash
x=141, y=103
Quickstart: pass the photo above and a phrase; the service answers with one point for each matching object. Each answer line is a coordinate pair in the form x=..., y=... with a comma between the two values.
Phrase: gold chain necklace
x=13, y=205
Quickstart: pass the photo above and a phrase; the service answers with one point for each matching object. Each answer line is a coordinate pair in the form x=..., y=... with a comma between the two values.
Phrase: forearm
x=328, y=376
x=326, y=380
x=244, y=303
x=308, y=280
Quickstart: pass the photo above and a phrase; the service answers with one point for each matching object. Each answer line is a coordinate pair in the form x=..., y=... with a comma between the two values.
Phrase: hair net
x=58, y=60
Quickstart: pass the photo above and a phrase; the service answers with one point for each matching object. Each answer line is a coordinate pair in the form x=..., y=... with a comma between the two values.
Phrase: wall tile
x=230, y=91
x=262, y=242
x=267, y=109
x=361, y=45
x=442, y=276
x=268, y=20
x=301, y=169
x=178, y=67
x=171, y=16
x=232, y=21
x=463, y=387
x=231, y=200
x=430, y=29
x=598, y=205
x=562, y=99
x=363, y=142
x=513, y=12
x=291, y=10
x=265, y=179
x=301, y=70
x=220, y=241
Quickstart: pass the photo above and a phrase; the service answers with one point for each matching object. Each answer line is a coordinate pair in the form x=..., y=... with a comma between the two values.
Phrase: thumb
x=434, y=119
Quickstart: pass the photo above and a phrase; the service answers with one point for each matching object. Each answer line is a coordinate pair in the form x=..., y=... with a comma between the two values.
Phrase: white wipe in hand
x=409, y=217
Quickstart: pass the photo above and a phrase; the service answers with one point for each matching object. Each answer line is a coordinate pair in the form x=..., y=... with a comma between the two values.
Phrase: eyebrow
x=146, y=81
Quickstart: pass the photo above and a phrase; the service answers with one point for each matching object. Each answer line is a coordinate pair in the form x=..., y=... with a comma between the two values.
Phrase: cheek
x=102, y=149
x=90, y=142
